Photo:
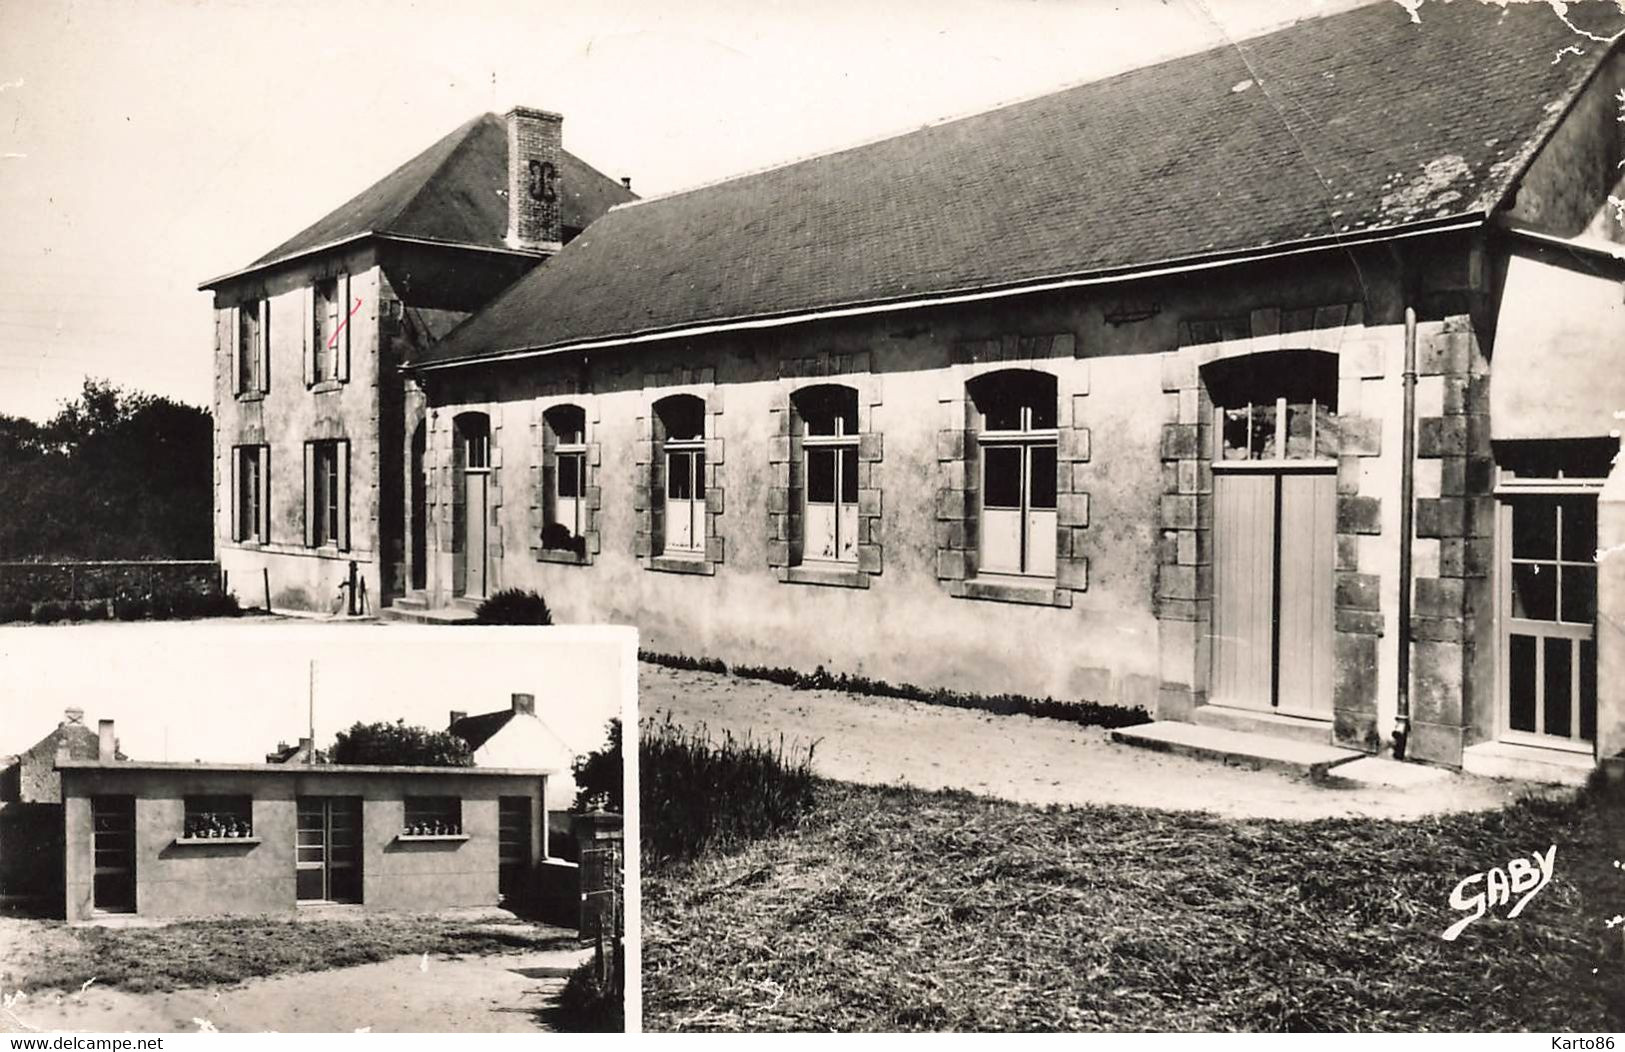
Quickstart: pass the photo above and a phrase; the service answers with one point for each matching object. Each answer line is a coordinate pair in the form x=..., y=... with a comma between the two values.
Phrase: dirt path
x=883, y=741
x=496, y=994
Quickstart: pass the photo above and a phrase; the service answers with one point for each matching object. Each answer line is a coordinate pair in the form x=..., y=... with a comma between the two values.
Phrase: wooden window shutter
x=234, y=338
x=236, y=496
x=264, y=349
x=265, y=495
x=343, y=290
x=341, y=464
x=310, y=494
x=307, y=339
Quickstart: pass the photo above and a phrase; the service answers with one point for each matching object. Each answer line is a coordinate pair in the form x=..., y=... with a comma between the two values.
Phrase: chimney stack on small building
x=106, y=744
x=535, y=149
x=524, y=704
x=456, y=715
x=71, y=716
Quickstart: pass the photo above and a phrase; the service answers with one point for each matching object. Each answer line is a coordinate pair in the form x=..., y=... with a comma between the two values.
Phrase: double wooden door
x=1274, y=556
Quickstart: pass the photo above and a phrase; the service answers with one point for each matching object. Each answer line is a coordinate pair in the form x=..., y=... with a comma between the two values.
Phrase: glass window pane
x=1534, y=528
x=570, y=476
x=1588, y=690
x=1521, y=683
x=1002, y=414
x=821, y=476
x=1043, y=477
x=1299, y=417
x=1559, y=684
x=569, y=424
x=1234, y=434
x=1579, y=529
x=678, y=483
x=683, y=417
x=1043, y=413
x=1001, y=477
x=1534, y=591
x=1262, y=440
x=699, y=476
x=1326, y=432
x=1579, y=594
x=849, y=475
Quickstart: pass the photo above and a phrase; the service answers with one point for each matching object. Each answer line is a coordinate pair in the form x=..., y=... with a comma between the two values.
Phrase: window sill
x=695, y=564
x=559, y=555
x=422, y=838
x=1038, y=591
x=324, y=386
x=828, y=575
x=251, y=396
x=215, y=841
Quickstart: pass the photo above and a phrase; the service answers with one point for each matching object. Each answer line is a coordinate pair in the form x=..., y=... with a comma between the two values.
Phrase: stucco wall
x=285, y=418
x=906, y=624
x=222, y=879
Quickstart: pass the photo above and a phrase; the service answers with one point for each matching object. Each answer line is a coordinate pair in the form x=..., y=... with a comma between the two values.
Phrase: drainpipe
x=1407, y=492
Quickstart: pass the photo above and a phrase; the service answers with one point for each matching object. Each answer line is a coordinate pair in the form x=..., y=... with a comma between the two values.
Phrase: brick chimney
x=72, y=716
x=535, y=143
x=524, y=704
x=106, y=744
x=456, y=714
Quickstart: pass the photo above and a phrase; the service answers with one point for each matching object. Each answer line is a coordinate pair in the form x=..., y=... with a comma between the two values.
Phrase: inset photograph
x=307, y=830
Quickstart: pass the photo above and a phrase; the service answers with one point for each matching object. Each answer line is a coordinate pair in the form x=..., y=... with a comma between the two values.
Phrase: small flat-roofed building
x=205, y=839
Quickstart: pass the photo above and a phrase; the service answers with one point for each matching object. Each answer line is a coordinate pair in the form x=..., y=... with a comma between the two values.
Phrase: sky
x=147, y=145
x=243, y=689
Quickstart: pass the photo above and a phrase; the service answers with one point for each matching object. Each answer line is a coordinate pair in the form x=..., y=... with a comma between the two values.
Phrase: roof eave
x=1461, y=221
x=380, y=235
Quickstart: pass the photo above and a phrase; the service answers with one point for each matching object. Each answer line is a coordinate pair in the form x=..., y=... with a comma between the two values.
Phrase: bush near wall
x=1087, y=713
x=100, y=591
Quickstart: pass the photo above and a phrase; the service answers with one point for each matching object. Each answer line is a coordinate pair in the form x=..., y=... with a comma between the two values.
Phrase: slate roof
x=454, y=191
x=1351, y=124
x=477, y=730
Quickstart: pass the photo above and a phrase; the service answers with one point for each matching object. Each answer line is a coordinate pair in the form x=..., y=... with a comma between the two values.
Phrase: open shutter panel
x=310, y=495
x=234, y=496
x=344, y=320
x=265, y=495
x=341, y=464
x=233, y=336
x=265, y=346
x=308, y=337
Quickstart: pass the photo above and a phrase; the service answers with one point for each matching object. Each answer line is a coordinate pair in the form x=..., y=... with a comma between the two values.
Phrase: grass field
x=208, y=953
x=899, y=909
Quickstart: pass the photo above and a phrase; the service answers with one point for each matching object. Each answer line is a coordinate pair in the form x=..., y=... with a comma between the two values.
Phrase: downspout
x=1407, y=492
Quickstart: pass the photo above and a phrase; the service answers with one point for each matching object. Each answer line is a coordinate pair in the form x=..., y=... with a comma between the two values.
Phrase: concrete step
x=411, y=601
x=1257, y=721
x=1258, y=751
x=1528, y=763
x=428, y=616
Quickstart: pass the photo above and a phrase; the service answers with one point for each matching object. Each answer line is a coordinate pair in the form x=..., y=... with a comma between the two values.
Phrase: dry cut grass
x=191, y=954
x=899, y=909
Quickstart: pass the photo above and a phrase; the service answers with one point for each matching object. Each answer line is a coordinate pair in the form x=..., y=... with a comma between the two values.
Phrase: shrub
x=514, y=607
x=655, y=657
x=598, y=775
x=131, y=607
x=399, y=743
x=48, y=611
x=557, y=536
x=16, y=610
x=700, y=795
x=589, y=1006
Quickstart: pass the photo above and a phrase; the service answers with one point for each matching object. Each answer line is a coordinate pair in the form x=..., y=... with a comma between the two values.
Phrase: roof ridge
x=1009, y=103
x=467, y=129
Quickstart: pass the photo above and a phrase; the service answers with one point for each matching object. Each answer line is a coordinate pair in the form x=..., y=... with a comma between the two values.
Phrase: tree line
x=115, y=474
